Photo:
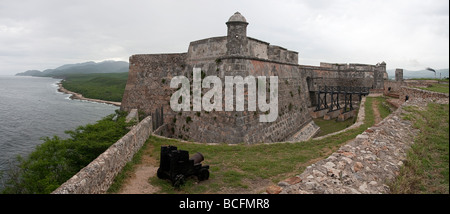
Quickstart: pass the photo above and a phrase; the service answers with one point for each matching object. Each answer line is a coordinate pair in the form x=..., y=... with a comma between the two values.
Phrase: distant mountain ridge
x=80, y=68
x=122, y=66
x=407, y=74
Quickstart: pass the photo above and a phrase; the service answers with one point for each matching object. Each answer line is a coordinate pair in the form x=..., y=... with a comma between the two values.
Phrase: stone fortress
x=364, y=165
x=236, y=54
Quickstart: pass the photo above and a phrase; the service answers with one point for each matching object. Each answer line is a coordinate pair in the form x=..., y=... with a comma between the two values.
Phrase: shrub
x=188, y=119
x=56, y=160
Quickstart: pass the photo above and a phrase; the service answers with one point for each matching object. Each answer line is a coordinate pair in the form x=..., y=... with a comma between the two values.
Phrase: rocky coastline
x=79, y=96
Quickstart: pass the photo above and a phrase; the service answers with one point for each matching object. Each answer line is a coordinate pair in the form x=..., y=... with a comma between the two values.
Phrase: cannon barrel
x=197, y=158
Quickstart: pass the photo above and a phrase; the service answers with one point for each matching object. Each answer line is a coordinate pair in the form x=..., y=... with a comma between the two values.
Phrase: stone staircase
x=393, y=95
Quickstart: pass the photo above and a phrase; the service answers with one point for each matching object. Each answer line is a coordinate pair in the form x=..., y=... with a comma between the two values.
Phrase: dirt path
x=138, y=183
x=376, y=112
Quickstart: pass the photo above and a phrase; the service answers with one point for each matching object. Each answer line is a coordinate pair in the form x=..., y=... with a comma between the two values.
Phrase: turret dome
x=237, y=17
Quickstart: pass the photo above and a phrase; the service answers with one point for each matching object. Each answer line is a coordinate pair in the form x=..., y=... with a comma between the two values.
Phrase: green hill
x=104, y=80
x=80, y=68
x=103, y=86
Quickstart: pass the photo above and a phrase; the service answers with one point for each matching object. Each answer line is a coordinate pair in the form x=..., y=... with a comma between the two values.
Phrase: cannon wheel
x=203, y=174
x=160, y=174
x=179, y=180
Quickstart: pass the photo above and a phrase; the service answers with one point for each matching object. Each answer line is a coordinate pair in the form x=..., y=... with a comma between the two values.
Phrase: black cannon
x=176, y=166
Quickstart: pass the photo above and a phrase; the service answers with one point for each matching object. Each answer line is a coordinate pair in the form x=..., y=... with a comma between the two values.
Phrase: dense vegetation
x=104, y=80
x=56, y=160
x=110, y=86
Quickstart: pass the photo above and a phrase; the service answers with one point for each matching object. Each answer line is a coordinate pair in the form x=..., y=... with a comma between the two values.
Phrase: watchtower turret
x=237, y=35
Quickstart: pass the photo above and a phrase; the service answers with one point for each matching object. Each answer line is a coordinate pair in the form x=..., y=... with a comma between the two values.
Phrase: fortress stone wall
x=362, y=75
x=416, y=93
x=149, y=76
x=148, y=87
x=97, y=177
x=334, y=74
x=407, y=88
x=236, y=54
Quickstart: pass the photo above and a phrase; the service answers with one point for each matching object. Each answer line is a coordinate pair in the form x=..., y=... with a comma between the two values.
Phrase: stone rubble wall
x=98, y=176
x=414, y=93
x=365, y=164
x=396, y=86
x=393, y=86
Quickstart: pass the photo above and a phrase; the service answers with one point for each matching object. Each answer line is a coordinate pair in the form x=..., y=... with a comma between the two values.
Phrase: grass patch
x=331, y=126
x=442, y=88
x=426, y=169
x=441, y=80
x=232, y=166
x=103, y=86
x=369, y=115
x=383, y=107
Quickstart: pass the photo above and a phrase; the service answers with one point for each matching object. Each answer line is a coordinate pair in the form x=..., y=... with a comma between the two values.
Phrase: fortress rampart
x=236, y=54
x=97, y=177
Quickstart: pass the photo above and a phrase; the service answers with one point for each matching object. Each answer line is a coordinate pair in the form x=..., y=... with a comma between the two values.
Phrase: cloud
x=45, y=34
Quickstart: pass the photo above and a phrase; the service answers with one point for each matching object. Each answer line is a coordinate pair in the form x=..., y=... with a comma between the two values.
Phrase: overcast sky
x=41, y=34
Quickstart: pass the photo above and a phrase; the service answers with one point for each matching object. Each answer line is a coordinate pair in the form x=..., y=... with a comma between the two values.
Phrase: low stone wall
x=361, y=166
x=414, y=93
x=396, y=86
x=305, y=133
x=333, y=114
x=393, y=86
x=346, y=115
x=98, y=176
x=365, y=164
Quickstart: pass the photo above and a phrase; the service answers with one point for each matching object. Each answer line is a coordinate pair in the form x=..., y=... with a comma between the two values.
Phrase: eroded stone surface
x=365, y=164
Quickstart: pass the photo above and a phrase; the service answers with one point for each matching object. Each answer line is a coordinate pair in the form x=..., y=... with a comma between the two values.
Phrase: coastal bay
x=74, y=95
x=32, y=108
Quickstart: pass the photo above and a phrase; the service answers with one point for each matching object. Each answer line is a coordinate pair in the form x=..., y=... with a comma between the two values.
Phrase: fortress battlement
x=148, y=87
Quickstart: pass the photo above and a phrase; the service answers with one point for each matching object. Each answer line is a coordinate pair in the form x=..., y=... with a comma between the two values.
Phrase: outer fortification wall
x=148, y=86
x=236, y=55
x=244, y=126
x=334, y=74
x=97, y=177
x=407, y=93
x=361, y=75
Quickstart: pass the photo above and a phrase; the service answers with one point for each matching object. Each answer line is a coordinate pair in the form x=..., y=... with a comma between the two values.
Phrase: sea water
x=32, y=108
